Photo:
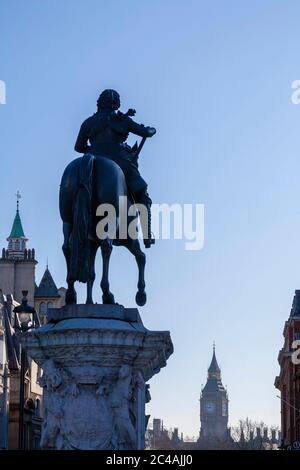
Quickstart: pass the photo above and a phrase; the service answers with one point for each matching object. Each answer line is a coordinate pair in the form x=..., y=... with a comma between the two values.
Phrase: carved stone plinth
x=94, y=376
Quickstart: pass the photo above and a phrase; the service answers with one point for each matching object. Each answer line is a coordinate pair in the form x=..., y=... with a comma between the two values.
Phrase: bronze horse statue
x=88, y=182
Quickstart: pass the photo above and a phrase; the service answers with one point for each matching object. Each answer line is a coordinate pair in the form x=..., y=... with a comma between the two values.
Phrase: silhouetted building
x=157, y=437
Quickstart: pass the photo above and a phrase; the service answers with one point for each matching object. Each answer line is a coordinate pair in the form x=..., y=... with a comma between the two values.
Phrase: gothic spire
x=47, y=287
x=214, y=369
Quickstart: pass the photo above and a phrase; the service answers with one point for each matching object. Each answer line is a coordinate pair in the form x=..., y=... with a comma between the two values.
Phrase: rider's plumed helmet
x=109, y=99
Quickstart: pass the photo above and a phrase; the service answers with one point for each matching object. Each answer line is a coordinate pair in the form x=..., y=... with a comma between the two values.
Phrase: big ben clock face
x=210, y=407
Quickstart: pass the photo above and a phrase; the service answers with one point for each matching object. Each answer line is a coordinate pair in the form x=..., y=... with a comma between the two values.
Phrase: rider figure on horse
x=105, y=133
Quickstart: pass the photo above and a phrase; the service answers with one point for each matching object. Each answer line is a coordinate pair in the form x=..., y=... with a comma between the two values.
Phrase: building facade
x=17, y=273
x=288, y=380
x=4, y=382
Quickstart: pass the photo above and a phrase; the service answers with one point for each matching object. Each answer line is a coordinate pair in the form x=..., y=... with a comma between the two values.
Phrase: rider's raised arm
x=140, y=129
x=81, y=144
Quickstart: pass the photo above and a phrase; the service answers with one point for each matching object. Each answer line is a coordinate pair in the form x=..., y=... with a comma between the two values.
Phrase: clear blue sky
x=214, y=78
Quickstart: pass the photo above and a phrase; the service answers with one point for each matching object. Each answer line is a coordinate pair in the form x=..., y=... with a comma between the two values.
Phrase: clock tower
x=214, y=405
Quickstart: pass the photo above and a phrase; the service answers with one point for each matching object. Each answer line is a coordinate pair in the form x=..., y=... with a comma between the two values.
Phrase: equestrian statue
x=107, y=171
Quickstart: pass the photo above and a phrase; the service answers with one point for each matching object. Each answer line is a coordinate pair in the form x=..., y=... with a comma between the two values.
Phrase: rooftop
x=47, y=287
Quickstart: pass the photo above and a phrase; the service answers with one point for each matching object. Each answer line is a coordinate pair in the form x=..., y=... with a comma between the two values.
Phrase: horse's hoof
x=71, y=297
x=141, y=298
x=108, y=299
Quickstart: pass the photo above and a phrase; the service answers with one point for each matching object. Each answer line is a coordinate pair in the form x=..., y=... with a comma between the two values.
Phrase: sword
x=139, y=148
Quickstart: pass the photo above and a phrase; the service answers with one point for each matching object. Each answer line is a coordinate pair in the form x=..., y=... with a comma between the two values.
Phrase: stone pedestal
x=96, y=360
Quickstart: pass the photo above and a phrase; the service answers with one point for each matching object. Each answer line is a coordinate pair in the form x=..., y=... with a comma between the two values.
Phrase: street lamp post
x=25, y=319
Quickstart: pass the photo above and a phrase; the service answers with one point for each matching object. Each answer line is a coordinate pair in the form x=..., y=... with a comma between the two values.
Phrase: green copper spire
x=17, y=229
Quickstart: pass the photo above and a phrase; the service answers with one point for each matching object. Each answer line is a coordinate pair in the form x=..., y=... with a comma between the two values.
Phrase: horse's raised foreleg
x=106, y=249
x=92, y=275
x=71, y=296
x=140, y=257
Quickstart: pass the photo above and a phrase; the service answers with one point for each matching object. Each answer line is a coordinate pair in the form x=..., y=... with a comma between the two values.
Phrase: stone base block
x=95, y=369
x=110, y=312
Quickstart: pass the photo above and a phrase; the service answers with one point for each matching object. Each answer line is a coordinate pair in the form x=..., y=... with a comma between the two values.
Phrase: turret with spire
x=17, y=271
x=214, y=404
x=17, y=263
x=16, y=240
x=47, y=295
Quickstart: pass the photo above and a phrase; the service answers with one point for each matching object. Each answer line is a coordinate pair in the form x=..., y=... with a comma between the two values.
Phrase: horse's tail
x=82, y=216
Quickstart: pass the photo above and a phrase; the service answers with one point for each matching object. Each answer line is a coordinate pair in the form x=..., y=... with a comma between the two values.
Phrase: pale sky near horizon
x=214, y=78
